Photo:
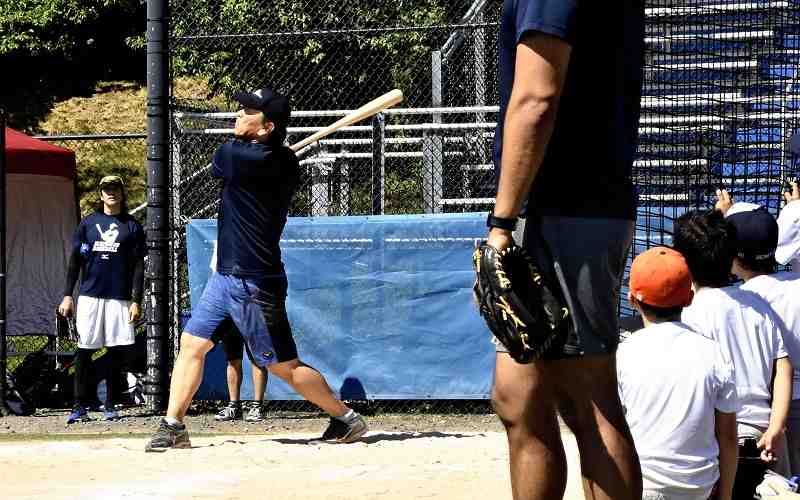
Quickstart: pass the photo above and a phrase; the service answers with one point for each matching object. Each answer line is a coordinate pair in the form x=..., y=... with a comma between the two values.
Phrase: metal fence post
x=157, y=265
x=3, y=345
x=432, y=144
x=378, y=163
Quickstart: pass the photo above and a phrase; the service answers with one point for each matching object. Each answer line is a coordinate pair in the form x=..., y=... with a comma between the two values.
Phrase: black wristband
x=501, y=223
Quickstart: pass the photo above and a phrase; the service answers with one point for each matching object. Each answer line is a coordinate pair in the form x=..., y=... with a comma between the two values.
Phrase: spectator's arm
x=725, y=430
x=540, y=70
x=73, y=272
x=781, y=398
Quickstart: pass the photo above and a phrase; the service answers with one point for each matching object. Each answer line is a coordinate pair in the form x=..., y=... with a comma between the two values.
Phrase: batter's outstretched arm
x=539, y=74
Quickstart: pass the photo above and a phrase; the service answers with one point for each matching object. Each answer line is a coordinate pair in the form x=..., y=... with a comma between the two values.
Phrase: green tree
x=60, y=48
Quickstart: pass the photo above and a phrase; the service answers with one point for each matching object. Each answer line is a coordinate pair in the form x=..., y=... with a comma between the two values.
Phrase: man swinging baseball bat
x=260, y=176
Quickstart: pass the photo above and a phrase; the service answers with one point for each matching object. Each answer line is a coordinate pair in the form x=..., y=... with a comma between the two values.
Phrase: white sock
x=173, y=421
x=348, y=417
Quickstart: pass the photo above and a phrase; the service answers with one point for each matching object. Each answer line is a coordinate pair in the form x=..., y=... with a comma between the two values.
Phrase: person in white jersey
x=788, y=251
x=751, y=336
x=757, y=241
x=683, y=420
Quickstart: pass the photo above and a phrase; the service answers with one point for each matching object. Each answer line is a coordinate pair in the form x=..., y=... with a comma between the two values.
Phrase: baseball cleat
x=168, y=436
x=340, y=432
x=233, y=411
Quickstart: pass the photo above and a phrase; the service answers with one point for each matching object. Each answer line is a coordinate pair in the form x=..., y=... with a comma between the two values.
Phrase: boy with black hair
x=683, y=421
x=751, y=336
x=757, y=241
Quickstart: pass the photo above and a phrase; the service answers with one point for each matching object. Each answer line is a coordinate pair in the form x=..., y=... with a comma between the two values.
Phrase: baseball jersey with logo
x=110, y=246
x=751, y=336
x=259, y=181
x=782, y=291
x=594, y=139
x=671, y=380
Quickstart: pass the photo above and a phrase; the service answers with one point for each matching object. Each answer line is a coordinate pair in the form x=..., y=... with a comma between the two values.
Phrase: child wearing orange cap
x=677, y=388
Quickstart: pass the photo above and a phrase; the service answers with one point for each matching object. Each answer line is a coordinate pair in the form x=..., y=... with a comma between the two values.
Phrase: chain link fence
x=330, y=58
x=720, y=101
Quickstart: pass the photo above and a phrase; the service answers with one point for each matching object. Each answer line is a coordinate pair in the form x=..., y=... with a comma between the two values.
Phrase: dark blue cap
x=756, y=234
x=794, y=143
x=274, y=105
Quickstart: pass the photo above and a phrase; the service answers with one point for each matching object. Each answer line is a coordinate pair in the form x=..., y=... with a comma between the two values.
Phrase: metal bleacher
x=720, y=100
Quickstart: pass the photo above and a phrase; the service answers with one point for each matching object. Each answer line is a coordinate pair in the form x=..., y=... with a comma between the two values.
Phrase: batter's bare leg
x=187, y=374
x=310, y=384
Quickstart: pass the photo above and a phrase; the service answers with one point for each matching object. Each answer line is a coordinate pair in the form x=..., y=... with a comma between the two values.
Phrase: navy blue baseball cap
x=756, y=232
x=275, y=106
x=794, y=143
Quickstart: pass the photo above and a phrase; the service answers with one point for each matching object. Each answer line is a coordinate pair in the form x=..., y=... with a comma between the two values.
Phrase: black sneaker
x=231, y=412
x=340, y=432
x=168, y=436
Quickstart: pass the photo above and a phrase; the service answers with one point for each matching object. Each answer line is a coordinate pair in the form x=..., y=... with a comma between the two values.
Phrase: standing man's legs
x=257, y=412
x=579, y=378
x=584, y=390
x=233, y=375
x=524, y=398
x=90, y=323
x=590, y=406
x=233, y=346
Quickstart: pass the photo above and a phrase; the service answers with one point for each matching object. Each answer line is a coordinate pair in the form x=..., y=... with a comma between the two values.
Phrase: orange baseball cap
x=661, y=278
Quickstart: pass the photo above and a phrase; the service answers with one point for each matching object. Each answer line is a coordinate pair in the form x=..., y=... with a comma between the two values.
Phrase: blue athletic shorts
x=258, y=309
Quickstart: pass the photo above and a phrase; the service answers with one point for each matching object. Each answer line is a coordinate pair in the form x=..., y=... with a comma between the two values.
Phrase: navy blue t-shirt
x=586, y=171
x=259, y=181
x=110, y=246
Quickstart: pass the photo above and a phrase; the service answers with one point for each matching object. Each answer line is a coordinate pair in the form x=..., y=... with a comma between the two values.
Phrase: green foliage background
x=63, y=49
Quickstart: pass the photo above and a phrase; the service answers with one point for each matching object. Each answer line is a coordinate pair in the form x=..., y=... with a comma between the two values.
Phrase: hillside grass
x=115, y=107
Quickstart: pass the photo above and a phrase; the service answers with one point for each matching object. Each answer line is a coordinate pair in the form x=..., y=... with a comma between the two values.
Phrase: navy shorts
x=589, y=257
x=256, y=307
x=232, y=342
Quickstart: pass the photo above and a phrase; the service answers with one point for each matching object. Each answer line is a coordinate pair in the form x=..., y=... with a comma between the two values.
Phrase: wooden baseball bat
x=376, y=105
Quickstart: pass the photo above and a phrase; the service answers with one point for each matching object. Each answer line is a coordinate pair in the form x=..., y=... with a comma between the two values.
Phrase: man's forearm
x=527, y=130
x=73, y=272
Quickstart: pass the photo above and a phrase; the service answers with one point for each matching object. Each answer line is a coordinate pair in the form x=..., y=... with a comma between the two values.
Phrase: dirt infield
x=389, y=464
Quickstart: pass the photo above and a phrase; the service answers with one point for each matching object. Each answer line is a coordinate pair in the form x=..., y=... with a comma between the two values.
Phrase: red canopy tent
x=42, y=213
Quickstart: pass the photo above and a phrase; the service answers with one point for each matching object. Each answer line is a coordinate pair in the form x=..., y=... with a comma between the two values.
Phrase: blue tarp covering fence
x=381, y=305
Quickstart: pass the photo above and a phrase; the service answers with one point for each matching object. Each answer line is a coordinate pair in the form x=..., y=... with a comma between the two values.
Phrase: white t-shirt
x=750, y=335
x=782, y=291
x=671, y=380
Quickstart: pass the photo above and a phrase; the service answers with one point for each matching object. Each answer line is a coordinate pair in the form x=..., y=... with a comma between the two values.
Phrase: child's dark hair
x=660, y=313
x=708, y=243
x=766, y=266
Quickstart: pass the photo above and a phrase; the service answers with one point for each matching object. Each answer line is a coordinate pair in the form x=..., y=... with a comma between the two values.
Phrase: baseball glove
x=526, y=313
x=65, y=327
